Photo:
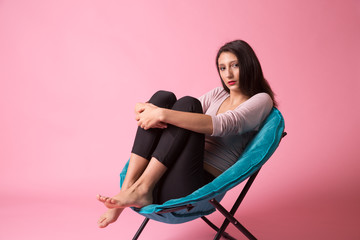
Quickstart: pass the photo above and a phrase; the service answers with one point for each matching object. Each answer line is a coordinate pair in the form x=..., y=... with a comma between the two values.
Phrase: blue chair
x=205, y=200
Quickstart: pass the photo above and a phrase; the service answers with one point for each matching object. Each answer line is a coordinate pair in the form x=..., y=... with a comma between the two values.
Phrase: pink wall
x=71, y=72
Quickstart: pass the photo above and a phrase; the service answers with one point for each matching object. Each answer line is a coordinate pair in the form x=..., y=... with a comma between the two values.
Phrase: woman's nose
x=229, y=73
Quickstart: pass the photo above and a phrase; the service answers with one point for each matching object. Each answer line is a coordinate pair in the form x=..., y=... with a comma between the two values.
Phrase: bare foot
x=110, y=216
x=133, y=197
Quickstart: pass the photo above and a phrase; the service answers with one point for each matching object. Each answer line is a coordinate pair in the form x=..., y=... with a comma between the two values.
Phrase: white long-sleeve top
x=233, y=129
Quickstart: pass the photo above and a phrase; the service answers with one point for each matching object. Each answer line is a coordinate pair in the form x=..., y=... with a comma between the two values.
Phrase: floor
x=74, y=216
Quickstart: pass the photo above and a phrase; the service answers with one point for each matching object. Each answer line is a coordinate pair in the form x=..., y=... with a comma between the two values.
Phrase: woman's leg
x=144, y=144
x=171, y=145
x=185, y=171
x=146, y=141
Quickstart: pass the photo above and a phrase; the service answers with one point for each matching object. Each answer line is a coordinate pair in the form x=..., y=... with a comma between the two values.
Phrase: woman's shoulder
x=262, y=96
x=260, y=99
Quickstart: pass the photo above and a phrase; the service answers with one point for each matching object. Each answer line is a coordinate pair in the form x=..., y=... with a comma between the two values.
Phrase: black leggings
x=180, y=150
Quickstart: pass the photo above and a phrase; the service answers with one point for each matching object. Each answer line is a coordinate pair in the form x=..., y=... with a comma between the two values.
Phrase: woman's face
x=229, y=70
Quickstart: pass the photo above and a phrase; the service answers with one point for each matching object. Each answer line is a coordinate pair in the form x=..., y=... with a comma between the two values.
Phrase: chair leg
x=213, y=226
x=141, y=228
x=230, y=218
x=234, y=209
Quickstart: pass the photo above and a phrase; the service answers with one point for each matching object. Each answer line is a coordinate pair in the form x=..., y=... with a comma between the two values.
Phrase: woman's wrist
x=162, y=114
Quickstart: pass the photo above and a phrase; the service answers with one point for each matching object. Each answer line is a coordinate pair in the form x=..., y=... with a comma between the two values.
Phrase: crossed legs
x=154, y=152
x=137, y=188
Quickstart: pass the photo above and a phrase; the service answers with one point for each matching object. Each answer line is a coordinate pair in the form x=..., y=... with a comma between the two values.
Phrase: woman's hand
x=139, y=107
x=148, y=116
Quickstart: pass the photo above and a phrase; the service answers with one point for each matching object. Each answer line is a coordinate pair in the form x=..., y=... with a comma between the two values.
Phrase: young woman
x=181, y=145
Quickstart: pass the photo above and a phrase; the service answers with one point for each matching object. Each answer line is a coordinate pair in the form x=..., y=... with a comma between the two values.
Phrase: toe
x=100, y=221
x=102, y=225
x=110, y=205
x=103, y=222
x=102, y=198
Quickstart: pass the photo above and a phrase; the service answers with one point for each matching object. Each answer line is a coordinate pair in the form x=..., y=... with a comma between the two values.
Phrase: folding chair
x=205, y=200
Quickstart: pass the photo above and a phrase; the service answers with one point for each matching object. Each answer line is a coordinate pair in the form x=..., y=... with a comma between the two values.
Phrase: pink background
x=71, y=72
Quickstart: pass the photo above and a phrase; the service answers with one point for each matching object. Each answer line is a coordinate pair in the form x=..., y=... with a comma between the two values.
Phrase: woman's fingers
x=148, y=124
x=148, y=118
x=161, y=125
x=139, y=107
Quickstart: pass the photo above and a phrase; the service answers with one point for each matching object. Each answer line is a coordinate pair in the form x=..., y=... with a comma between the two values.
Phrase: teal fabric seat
x=198, y=204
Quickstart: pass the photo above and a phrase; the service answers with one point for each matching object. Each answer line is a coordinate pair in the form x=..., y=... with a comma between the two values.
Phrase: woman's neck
x=237, y=97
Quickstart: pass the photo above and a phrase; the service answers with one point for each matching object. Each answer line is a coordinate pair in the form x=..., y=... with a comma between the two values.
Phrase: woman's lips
x=231, y=82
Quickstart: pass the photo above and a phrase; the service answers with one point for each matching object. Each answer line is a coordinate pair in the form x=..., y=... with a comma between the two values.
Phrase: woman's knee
x=188, y=104
x=163, y=99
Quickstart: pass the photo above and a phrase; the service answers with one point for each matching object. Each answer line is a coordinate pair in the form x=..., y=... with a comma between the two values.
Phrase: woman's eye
x=235, y=65
x=222, y=68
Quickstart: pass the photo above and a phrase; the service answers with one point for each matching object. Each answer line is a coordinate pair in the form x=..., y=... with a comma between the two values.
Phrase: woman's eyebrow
x=228, y=62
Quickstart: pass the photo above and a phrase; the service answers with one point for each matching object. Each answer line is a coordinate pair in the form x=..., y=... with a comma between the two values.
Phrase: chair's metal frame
x=229, y=216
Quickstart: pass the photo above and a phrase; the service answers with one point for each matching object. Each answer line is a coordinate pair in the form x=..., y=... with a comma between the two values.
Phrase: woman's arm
x=151, y=116
x=196, y=122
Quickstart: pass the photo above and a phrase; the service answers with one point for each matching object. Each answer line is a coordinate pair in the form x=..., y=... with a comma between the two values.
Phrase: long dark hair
x=252, y=79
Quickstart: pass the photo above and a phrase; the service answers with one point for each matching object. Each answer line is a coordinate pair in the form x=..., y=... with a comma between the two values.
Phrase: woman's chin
x=233, y=87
